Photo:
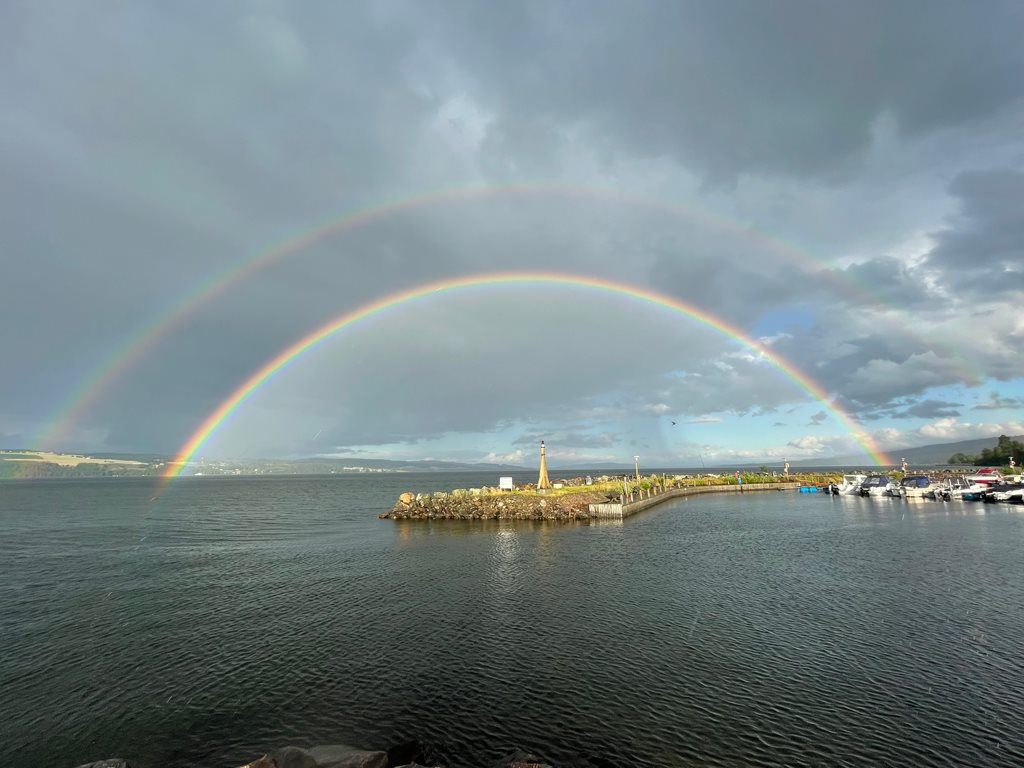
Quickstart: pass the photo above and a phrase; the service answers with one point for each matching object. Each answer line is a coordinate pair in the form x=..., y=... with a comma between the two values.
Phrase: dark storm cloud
x=983, y=248
x=568, y=439
x=855, y=355
x=891, y=281
x=928, y=409
x=742, y=281
x=997, y=402
x=784, y=87
x=144, y=149
x=171, y=170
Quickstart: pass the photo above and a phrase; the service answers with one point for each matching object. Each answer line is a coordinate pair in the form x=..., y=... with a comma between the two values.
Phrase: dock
x=645, y=500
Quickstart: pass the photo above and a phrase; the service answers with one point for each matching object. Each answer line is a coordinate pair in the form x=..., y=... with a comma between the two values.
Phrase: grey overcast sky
x=844, y=182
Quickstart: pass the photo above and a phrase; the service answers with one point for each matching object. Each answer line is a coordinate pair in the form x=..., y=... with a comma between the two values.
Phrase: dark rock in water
x=521, y=759
x=408, y=753
x=114, y=762
x=591, y=762
x=293, y=757
x=264, y=762
x=342, y=756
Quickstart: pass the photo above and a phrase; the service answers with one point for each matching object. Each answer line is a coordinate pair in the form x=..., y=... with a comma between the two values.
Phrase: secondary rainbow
x=137, y=345
x=223, y=412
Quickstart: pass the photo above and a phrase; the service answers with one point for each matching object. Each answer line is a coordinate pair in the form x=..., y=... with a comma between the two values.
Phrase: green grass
x=614, y=487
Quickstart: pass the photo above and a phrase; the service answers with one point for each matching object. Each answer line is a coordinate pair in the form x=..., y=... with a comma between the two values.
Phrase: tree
x=962, y=458
x=999, y=456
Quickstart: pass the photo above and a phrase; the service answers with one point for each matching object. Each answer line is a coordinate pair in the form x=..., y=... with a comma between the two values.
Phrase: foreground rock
x=495, y=506
x=326, y=756
x=407, y=755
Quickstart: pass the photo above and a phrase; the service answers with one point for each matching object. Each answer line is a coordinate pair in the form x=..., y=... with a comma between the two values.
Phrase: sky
x=841, y=182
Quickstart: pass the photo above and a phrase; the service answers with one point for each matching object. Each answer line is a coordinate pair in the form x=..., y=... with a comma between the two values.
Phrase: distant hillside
x=40, y=464
x=418, y=465
x=922, y=455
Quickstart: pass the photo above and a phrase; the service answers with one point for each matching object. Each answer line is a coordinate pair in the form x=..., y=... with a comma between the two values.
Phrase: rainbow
x=135, y=347
x=212, y=423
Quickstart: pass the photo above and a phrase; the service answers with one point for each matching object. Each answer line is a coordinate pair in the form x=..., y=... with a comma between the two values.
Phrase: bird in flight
x=673, y=423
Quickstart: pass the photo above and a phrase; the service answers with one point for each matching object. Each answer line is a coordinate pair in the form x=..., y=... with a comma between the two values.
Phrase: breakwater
x=495, y=506
x=607, y=500
x=639, y=502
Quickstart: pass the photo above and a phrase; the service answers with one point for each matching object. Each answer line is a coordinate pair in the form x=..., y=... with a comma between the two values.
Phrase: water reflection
x=411, y=529
x=884, y=510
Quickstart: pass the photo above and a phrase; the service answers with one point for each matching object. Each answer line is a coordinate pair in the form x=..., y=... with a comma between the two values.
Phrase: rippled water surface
x=238, y=615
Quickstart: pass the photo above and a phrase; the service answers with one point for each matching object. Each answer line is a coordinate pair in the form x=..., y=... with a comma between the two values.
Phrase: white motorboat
x=1011, y=492
x=981, y=482
x=916, y=487
x=952, y=489
x=877, y=485
x=849, y=486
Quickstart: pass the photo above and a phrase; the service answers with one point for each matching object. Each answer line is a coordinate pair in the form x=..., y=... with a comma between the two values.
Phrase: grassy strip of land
x=62, y=459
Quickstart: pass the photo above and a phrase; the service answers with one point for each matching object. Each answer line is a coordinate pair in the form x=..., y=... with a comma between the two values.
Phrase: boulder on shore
x=293, y=757
x=325, y=756
x=341, y=756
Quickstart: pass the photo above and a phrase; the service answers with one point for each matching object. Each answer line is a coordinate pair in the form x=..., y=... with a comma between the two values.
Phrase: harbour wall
x=655, y=497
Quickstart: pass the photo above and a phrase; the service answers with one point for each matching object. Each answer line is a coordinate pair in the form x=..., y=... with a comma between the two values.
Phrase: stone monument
x=542, y=481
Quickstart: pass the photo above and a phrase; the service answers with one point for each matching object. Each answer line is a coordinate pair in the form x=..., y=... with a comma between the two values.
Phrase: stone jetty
x=570, y=499
x=489, y=504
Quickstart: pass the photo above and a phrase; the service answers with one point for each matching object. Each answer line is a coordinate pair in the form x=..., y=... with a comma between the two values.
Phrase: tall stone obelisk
x=542, y=481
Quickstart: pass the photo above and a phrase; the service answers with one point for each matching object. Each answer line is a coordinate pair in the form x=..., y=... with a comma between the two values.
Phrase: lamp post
x=636, y=460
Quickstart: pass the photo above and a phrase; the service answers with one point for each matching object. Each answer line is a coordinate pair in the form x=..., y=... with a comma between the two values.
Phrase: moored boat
x=877, y=485
x=980, y=483
x=1002, y=492
x=916, y=487
x=850, y=485
x=952, y=489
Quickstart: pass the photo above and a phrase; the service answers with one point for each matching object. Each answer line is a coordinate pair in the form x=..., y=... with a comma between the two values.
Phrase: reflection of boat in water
x=876, y=485
x=850, y=485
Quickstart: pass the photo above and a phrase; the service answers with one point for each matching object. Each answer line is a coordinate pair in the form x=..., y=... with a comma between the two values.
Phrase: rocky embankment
x=466, y=505
x=410, y=755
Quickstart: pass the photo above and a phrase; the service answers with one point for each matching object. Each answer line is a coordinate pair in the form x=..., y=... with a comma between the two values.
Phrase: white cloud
x=657, y=408
x=514, y=457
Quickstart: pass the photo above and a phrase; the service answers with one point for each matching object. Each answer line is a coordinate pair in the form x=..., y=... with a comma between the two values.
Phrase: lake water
x=237, y=615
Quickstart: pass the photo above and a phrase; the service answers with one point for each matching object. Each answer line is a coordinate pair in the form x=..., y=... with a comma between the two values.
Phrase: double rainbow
x=132, y=349
x=351, y=319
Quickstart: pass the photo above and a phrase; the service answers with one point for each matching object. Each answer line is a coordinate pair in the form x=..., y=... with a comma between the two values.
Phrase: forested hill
x=999, y=455
x=922, y=455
